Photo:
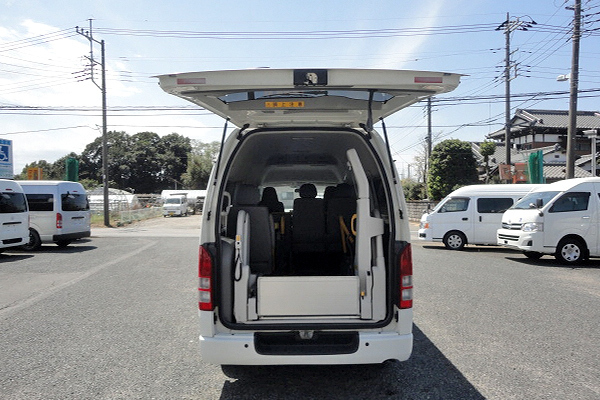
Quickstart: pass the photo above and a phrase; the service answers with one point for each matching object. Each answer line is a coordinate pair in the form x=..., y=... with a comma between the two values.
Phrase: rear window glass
x=74, y=202
x=493, y=205
x=303, y=94
x=40, y=202
x=12, y=203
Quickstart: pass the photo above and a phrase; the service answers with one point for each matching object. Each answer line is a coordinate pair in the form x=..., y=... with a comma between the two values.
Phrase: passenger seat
x=262, y=237
x=308, y=221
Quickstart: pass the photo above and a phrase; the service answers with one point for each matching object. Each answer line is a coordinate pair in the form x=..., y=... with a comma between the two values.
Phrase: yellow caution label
x=284, y=104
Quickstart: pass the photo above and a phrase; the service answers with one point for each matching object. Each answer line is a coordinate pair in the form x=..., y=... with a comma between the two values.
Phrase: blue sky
x=41, y=54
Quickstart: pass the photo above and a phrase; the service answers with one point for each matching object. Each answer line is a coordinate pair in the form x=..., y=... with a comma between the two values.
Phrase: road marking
x=19, y=305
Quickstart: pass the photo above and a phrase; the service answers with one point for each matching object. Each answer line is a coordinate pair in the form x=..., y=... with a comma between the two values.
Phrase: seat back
x=308, y=221
x=262, y=237
x=340, y=208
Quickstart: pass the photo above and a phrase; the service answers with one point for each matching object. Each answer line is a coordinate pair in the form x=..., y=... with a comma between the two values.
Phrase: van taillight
x=205, y=284
x=406, y=286
x=58, y=221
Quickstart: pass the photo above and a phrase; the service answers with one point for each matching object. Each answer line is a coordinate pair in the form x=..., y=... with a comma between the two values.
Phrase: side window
x=40, y=202
x=493, y=205
x=575, y=201
x=455, y=204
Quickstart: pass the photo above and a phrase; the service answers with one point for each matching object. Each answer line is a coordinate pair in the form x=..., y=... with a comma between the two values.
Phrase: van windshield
x=173, y=200
x=530, y=200
x=74, y=202
x=12, y=203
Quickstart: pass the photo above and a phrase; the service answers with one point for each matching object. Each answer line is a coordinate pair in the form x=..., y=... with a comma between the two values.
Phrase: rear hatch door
x=307, y=97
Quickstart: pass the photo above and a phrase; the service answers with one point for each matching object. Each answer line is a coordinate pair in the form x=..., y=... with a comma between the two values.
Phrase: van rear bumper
x=240, y=349
x=71, y=236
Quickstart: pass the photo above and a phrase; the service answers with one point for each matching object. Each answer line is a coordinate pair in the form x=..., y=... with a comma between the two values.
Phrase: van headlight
x=533, y=227
x=424, y=225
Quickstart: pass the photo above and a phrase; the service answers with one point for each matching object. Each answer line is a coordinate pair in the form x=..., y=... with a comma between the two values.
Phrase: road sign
x=6, y=161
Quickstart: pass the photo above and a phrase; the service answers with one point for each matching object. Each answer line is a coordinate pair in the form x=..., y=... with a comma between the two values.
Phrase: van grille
x=514, y=227
x=290, y=343
x=508, y=237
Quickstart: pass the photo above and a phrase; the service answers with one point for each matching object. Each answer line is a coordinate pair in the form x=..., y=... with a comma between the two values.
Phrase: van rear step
x=291, y=343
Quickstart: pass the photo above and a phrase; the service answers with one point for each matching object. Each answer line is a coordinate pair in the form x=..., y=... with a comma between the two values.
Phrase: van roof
x=47, y=183
x=496, y=189
x=569, y=183
x=307, y=97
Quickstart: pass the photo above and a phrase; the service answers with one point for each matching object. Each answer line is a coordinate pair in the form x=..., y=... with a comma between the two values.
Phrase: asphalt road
x=115, y=318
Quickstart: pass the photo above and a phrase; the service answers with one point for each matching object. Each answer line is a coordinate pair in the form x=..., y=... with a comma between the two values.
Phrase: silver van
x=59, y=212
x=325, y=278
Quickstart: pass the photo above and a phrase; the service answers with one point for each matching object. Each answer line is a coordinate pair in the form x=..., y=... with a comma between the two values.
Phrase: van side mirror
x=539, y=203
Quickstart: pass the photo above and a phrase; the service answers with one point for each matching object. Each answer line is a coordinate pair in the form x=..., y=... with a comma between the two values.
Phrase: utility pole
x=574, y=80
x=429, y=146
x=88, y=35
x=510, y=26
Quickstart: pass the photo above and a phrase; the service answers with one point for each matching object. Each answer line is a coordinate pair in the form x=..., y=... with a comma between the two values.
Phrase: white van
x=561, y=219
x=175, y=204
x=329, y=282
x=14, y=215
x=470, y=215
x=59, y=212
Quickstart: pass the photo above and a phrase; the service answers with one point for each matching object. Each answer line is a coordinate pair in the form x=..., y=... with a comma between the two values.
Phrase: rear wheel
x=34, y=241
x=455, y=240
x=571, y=251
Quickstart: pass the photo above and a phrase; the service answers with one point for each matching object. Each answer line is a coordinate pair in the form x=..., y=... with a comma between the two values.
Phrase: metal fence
x=123, y=217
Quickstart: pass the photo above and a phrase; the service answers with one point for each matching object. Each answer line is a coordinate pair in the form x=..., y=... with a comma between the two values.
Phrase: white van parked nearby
x=560, y=219
x=59, y=212
x=470, y=215
x=14, y=215
x=329, y=281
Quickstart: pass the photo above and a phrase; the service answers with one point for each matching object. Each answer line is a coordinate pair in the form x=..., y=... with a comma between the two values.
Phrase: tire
x=532, y=255
x=455, y=240
x=571, y=251
x=63, y=243
x=34, y=241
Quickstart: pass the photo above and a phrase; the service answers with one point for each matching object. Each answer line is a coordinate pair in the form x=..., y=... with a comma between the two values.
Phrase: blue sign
x=6, y=162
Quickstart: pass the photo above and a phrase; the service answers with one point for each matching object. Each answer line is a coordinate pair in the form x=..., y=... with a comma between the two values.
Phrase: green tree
x=487, y=149
x=174, y=158
x=413, y=190
x=48, y=170
x=452, y=165
x=119, y=160
x=200, y=163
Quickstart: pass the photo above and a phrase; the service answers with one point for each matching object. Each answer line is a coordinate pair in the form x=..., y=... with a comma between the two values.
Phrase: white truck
x=560, y=219
x=175, y=204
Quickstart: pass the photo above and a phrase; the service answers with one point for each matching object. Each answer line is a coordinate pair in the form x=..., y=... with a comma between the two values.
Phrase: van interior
x=305, y=229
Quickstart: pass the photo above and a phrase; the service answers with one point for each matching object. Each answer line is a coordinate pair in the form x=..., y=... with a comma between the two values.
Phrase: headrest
x=308, y=191
x=246, y=195
x=344, y=190
x=269, y=194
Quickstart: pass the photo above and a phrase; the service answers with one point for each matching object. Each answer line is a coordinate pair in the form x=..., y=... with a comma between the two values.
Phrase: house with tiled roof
x=546, y=130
